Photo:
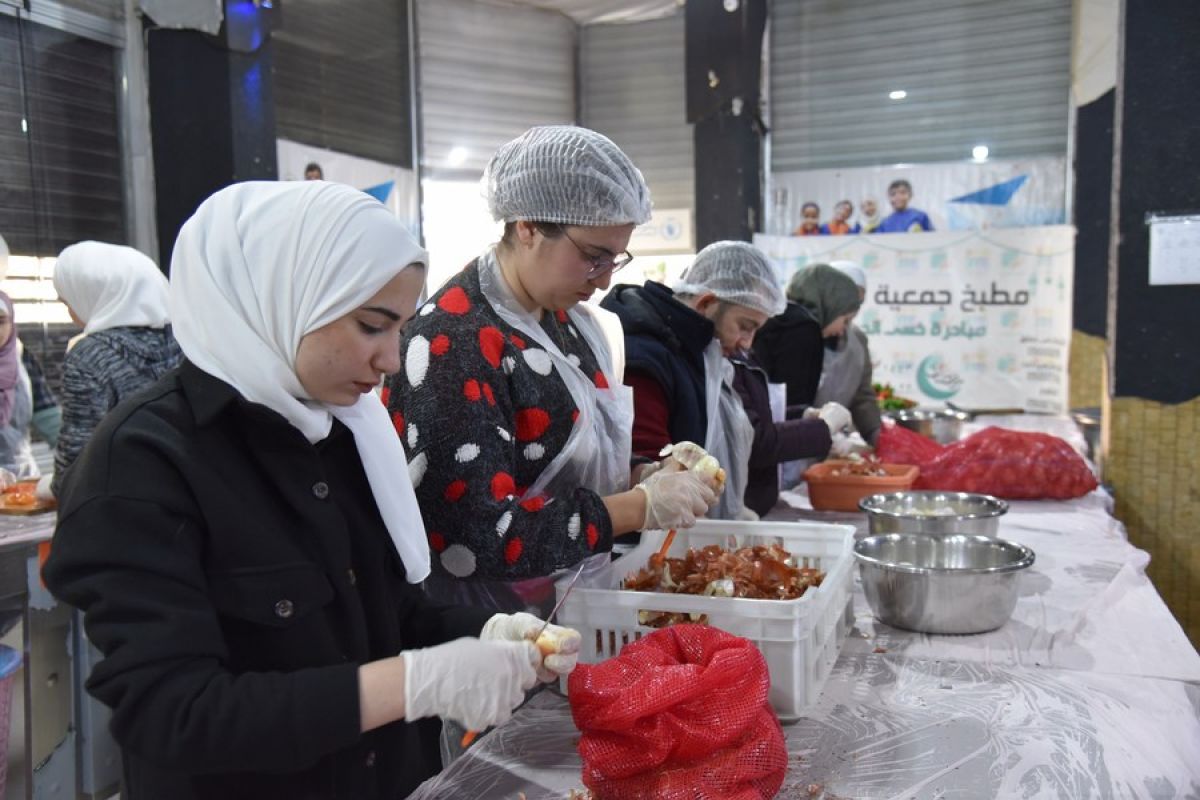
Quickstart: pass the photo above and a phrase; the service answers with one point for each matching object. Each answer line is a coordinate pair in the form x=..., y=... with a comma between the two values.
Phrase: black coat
x=774, y=442
x=789, y=347
x=666, y=340
x=235, y=577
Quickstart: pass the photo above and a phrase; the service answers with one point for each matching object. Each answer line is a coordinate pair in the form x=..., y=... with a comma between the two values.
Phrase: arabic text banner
x=980, y=319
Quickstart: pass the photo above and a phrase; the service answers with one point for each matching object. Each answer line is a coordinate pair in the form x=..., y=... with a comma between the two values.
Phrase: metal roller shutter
x=975, y=72
x=60, y=148
x=341, y=75
x=487, y=74
x=633, y=91
x=108, y=9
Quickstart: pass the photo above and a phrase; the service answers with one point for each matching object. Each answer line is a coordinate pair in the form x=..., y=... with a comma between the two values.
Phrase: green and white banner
x=981, y=319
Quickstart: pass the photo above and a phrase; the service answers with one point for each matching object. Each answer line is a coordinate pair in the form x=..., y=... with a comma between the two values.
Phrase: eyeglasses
x=600, y=264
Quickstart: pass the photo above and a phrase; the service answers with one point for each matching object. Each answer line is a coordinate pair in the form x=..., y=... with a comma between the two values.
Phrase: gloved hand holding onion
x=835, y=416
x=684, y=488
x=558, y=646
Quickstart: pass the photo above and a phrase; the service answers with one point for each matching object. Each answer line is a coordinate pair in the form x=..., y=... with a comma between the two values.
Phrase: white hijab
x=258, y=266
x=111, y=286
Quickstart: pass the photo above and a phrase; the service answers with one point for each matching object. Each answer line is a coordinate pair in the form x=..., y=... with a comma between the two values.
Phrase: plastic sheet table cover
x=895, y=727
x=1090, y=690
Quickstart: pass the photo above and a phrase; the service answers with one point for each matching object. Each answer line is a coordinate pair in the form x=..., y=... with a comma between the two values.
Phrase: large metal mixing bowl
x=934, y=512
x=941, y=584
x=942, y=425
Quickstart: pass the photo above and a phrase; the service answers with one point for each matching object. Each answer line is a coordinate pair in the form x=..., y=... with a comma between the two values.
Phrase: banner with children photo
x=981, y=319
x=964, y=195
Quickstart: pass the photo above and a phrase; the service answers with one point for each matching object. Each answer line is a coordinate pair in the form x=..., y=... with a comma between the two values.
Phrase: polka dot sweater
x=482, y=412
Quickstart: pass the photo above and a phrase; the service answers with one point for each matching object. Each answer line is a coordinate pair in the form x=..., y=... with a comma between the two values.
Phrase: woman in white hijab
x=244, y=556
x=119, y=296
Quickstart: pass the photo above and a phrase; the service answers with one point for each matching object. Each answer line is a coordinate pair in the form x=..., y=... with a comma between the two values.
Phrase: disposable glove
x=692, y=456
x=675, y=499
x=557, y=646
x=643, y=471
x=475, y=683
x=846, y=445
x=835, y=416
x=43, y=487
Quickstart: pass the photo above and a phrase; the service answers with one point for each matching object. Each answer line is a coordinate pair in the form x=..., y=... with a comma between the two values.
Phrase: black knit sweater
x=482, y=412
x=102, y=370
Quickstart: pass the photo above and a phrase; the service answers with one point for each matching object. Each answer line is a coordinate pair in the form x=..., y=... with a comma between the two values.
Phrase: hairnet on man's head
x=825, y=291
x=565, y=174
x=735, y=272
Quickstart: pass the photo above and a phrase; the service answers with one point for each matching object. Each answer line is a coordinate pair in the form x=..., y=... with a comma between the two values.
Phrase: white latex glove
x=644, y=471
x=557, y=646
x=835, y=416
x=675, y=500
x=475, y=683
x=689, y=455
x=812, y=412
x=43, y=487
x=845, y=445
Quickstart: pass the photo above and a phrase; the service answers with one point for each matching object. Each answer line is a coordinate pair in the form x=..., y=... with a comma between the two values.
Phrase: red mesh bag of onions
x=1016, y=465
x=899, y=445
x=1013, y=464
x=681, y=713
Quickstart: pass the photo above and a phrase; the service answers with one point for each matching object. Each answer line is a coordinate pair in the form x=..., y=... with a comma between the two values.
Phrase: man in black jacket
x=727, y=294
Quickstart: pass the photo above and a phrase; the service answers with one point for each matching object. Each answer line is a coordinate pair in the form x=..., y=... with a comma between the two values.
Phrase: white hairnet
x=853, y=271
x=565, y=174
x=735, y=272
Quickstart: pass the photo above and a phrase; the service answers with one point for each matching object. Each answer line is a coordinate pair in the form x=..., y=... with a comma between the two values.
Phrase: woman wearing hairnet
x=239, y=543
x=511, y=405
x=119, y=296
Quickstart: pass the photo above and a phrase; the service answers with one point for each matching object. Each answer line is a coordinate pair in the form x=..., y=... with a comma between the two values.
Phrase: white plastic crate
x=800, y=638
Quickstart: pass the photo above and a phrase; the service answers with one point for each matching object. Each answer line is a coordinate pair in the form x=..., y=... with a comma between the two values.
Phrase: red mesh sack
x=899, y=445
x=1012, y=464
x=681, y=713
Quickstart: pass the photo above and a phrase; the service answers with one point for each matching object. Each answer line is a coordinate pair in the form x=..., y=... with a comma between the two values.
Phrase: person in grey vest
x=119, y=296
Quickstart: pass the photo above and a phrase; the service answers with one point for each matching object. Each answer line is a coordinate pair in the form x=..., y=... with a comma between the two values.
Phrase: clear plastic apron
x=841, y=371
x=729, y=434
x=596, y=456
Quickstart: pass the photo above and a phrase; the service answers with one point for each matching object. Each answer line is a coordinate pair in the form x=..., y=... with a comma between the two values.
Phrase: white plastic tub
x=800, y=638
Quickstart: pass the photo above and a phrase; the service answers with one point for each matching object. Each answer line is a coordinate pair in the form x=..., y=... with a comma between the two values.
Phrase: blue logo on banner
x=381, y=191
x=997, y=195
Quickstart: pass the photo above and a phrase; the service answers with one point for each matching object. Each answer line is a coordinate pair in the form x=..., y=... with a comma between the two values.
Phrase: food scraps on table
x=860, y=467
x=20, y=495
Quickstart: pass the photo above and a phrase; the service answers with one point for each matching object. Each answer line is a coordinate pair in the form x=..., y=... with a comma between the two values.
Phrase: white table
x=1090, y=690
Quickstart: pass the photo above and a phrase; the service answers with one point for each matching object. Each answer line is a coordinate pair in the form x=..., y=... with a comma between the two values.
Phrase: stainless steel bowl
x=941, y=584
x=942, y=425
x=938, y=513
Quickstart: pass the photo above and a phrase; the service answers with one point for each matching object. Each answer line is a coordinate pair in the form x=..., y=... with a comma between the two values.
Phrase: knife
x=560, y=602
x=469, y=736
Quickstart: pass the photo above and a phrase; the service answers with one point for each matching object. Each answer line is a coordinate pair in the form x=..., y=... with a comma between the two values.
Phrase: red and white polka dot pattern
x=482, y=411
